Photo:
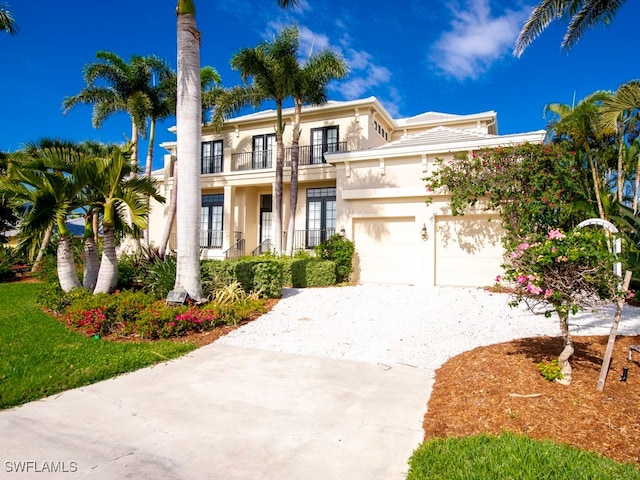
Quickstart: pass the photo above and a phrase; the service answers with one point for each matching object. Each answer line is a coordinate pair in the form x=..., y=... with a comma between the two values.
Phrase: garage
x=385, y=249
x=468, y=250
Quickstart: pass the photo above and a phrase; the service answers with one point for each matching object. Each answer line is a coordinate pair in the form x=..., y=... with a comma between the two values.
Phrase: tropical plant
x=121, y=192
x=46, y=186
x=339, y=250
x=7, y=22
x=621, y=113
x=581, y=126
x=310, y=88
x=8, y=217
x=583, y=14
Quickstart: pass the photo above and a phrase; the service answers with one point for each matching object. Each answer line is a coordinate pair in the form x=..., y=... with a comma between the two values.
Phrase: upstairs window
x=212, y=156
x=323, y=140
x=263, y=148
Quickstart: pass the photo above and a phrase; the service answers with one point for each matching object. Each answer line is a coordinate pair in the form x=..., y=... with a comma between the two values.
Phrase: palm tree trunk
x=636, y=186
x=278, y=185
x=148, y=167
x=43, y=247
x=189, y=124
x=108, y=274
x=91, y=264
x=596, y=185
x=67, y=273
x=620, y=178
x=171, y=214
x=293, y=198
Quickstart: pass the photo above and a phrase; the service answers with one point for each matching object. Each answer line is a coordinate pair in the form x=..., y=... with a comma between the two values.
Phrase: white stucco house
x=361, y=174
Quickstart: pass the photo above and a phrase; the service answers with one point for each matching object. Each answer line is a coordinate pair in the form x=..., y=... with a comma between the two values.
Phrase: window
x=323, y=140
x=321, y=215
x=212, y=156
x=263, y=148
x=211, y=215
x=266, y=222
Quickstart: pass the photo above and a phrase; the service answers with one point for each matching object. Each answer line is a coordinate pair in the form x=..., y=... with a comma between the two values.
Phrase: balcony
x=265, y=159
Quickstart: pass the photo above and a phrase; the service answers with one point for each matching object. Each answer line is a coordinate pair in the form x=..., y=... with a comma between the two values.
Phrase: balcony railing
x=211, y=239
x=264, y=159
x=307, y=239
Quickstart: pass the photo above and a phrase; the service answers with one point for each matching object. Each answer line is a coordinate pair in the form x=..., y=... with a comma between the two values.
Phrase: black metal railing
x=264, y=159
x=264, y=247
x=237, y=249
x=307, y=239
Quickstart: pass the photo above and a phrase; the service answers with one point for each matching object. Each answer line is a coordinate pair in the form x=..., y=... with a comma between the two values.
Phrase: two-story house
x=361, y=175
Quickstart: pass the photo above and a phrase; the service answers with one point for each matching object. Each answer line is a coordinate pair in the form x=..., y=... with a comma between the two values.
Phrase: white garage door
x=468, y=250
x=385, y=249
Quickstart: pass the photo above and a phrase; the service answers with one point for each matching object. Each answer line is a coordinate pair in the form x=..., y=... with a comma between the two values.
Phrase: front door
x=266, y=223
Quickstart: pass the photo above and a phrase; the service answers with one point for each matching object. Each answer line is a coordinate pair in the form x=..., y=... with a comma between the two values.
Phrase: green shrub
x=267, y=279
x=157, y=321
x=339, y=250
x=312, y=272
x=550, y=370
x=161, y=277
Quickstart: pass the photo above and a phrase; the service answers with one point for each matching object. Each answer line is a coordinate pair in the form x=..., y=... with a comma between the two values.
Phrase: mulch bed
x=499, y=388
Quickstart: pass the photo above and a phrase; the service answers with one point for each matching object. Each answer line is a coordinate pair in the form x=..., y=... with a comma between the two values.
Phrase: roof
x=437, y=140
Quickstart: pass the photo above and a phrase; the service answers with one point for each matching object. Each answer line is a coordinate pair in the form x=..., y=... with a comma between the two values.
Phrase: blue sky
x=414, y=56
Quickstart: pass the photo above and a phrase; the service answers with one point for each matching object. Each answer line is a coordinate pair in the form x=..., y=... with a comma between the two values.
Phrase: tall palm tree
x=583, y=14
x=7, y=22
x=188, y=121
x=120, y=191
x=272, y=69
x=210, y=88
x=581, y=125
x=621, y=112
x=310, y=87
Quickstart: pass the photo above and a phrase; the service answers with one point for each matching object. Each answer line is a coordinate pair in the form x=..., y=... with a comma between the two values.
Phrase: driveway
x=331, y=384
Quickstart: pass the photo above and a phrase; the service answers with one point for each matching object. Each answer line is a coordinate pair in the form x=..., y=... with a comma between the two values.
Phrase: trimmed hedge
x=312, y=272
x=253, y=274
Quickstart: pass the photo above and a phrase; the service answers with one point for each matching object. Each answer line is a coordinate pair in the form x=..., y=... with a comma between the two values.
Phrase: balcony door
x=323, y=140
x=263, y=148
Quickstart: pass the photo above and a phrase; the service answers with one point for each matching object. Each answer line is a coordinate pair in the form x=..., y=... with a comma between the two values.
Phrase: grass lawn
x=509, y=456
x=39, y=356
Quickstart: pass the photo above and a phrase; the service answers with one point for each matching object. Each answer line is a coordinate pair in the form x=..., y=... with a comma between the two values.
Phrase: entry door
x=266, y=222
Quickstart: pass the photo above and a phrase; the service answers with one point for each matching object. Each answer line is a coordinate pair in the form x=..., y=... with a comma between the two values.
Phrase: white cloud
x=476, y=39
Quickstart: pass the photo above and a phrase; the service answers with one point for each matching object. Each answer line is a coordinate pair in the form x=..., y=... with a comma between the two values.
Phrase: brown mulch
x=499, y=388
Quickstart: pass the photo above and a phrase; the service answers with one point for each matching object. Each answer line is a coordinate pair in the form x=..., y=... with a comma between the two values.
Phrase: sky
x=414, y=56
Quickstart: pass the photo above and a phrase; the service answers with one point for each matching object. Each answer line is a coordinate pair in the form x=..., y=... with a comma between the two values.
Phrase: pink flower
x=522, y=279
x=534, y=289
x=523, y=246
x=555, y=235
x=548, y=292
x=498, y=278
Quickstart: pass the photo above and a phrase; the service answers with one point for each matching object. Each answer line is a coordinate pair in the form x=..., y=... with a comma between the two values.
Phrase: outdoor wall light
x=423, y=233
x=342, y=231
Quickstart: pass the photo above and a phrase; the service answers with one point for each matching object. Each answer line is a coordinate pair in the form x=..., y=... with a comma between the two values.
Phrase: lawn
x=39, y=356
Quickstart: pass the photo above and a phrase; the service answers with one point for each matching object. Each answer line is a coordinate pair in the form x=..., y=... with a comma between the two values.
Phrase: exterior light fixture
x=342, y=231
x=423, y=233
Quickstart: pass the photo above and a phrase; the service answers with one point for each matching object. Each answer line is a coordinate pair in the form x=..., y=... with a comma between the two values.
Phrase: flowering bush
x=90, y=321
x=562, y=272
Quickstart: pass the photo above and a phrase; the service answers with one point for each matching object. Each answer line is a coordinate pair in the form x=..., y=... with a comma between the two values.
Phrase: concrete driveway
x=230, y=412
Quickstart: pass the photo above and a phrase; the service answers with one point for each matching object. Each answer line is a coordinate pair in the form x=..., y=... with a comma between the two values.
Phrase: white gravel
x=408, y=325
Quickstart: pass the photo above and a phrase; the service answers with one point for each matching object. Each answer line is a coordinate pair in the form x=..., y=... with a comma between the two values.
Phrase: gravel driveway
x=401, y=324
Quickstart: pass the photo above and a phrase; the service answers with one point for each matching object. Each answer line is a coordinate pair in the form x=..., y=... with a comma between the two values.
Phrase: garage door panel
x=468, y=250
x=384, y=249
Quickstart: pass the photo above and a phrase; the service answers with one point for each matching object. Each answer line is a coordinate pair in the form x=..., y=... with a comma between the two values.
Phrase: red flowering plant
x=562, y=273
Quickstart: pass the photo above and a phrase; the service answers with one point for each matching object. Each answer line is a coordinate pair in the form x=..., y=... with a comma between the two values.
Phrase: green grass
x=39, y=356
x=510, y=456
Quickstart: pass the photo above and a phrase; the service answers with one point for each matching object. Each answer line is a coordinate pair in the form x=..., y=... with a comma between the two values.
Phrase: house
x=361, y=174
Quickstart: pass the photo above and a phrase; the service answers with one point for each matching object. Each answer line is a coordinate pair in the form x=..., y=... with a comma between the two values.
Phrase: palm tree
x=581, y=125
x=272, y=68
x=7, y=22
x=210, y=85
x=46, y=186
x=621, y=113
x=120, y=191
x=310, y=88
x=583, y=14
x=188, y=121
